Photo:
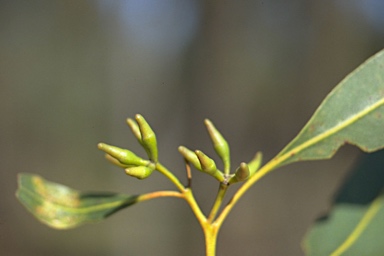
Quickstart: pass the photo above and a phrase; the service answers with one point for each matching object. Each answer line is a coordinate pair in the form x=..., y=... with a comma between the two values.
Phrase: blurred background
x=71, y=72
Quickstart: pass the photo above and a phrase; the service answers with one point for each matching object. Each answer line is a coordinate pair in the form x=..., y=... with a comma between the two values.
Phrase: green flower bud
x=220, y=145
x=148, y=138
x=135, y=129
x=116, y=162
x=255, y=163
x=190, y=156
x=208, y=166
x=140, y=172
x=124, y=156
x=242, y=173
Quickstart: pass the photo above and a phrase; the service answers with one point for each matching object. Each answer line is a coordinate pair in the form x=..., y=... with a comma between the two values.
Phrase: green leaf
x=355, y=224
x=365, y=182
x=352, y=113
x=349, y=230
x=62, y=207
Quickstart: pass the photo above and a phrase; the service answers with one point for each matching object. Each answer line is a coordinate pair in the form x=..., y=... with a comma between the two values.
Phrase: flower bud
x=114, y=161
x=190, y=156
x=220, y=144
x=140, y=172
x=135, y=129
x=148, y=138
x=208, y=166
x=241, y=174
x=124, y=156
x=255, y=163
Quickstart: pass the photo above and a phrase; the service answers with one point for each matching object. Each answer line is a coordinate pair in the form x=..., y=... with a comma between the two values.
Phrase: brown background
x=72, y=71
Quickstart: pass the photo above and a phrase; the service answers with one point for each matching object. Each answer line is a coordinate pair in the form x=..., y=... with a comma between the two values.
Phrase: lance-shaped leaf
x=61, y=207
x=352, y=113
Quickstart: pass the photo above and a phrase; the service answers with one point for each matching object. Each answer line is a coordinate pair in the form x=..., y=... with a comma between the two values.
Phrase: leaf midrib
x=81, y=210
x=360, y=227
x=332, y=131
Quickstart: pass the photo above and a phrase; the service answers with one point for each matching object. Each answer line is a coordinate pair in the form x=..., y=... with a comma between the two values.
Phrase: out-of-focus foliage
x=61, y=207
x=354, y=225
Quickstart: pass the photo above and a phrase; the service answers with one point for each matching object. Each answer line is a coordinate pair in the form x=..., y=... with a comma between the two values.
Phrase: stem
x=210, y=229
x=156, y=194
x=163, y=170
x=189, y=197
x=186, y=193
x=189, y=173
x=210, y=234
x=219, y=199
x=270, y=166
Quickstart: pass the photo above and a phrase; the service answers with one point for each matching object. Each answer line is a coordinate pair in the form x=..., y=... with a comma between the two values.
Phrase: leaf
x=62, y=207
x=365, y=182
x=352, y=113
x=355, y=226
x=350, y=230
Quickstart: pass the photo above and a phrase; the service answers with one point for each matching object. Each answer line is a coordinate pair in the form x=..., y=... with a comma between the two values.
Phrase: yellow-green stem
x=210, y=229
x=189, y=197
x=271, y=165
x=163, y=170
x=219, y=199
x=210, y=233
x=156, y=194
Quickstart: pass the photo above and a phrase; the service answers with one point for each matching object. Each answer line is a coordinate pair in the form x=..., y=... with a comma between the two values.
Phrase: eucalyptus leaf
x=355, y=223
x=349, y=230
x=352, y=113
x=61, y=207
x=365, y=182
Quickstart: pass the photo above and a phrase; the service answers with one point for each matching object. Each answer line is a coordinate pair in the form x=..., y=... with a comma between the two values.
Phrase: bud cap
x=124, y=156
x=140, y=172
x=190, y=156
x=220, y=144
x=148, y=138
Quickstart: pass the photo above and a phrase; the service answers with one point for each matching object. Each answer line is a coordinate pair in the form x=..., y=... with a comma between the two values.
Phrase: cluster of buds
x=141, y=168
x=134, y=165
x=205, y=164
